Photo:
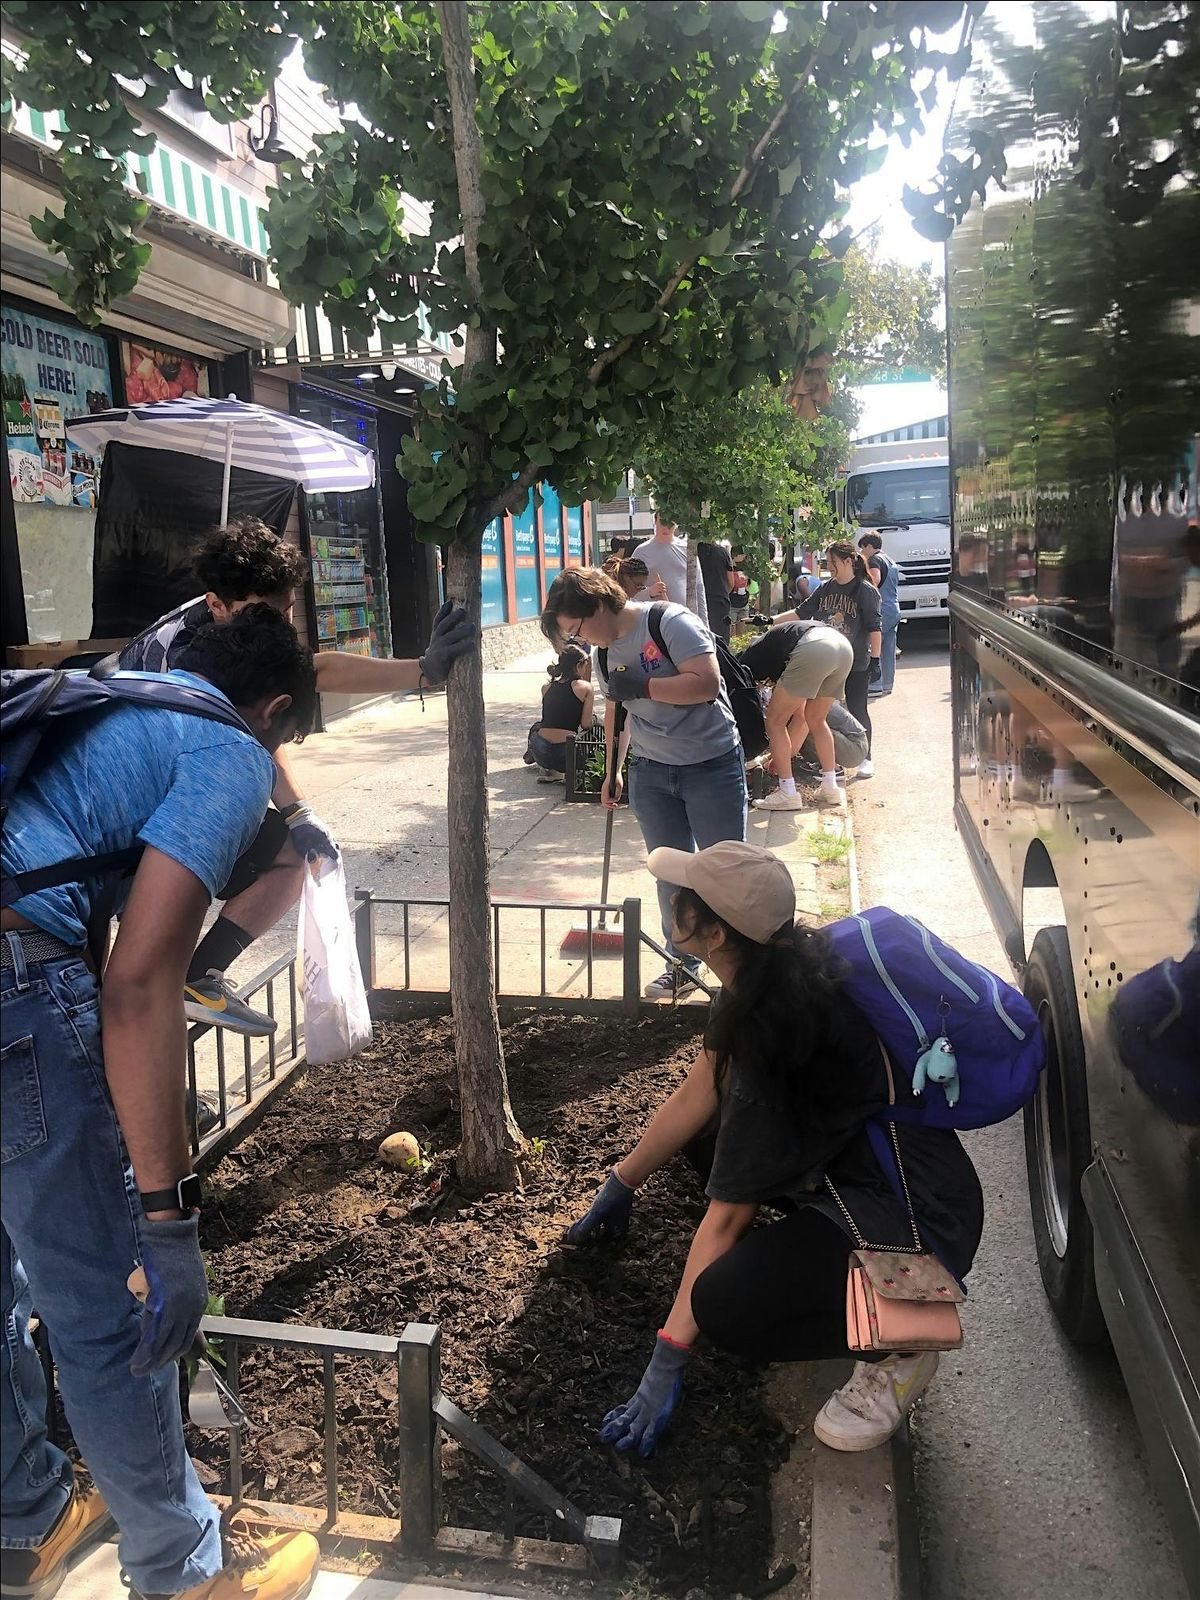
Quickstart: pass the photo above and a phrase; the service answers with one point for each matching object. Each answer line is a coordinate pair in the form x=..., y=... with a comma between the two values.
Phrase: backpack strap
x=654, y=621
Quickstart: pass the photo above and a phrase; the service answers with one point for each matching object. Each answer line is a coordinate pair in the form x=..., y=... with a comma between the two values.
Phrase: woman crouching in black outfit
x=789, y=1074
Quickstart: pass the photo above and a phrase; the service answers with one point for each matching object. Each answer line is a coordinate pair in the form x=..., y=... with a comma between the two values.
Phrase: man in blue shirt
x=885, y=575
x=97, y=1170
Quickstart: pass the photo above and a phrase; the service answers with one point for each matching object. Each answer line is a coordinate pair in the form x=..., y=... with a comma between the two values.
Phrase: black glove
x=608, y=1214
x=453, y=635
x=875, y=670
x=178, y=1292
x=627, y=683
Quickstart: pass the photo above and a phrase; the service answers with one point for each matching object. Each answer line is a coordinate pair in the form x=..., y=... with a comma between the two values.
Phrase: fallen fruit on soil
x=401, y=1150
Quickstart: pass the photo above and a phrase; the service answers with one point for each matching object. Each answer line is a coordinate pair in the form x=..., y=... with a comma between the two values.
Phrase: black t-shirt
x=853, y=608
x=715, y=564
x=561, y=706
x=767, y=657
x=773, y=1146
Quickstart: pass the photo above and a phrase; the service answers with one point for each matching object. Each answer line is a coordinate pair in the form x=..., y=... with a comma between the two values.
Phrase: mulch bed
x=303, y=1223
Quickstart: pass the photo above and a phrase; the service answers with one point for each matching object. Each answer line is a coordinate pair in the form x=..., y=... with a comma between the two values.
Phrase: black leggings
x=780, y=1293
x=856, y=701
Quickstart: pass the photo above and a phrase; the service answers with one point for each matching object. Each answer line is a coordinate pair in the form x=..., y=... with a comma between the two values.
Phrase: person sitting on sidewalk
x=807, y=664
x=240, y=565
x=885, y=575
x=567, y=703
x=666, y=557
x=687, y=775
x=789, y=1075
x=849, y=602
x=849, y=745
x=95, y=1079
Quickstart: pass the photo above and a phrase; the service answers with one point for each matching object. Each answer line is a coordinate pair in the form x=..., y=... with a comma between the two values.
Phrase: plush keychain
x=938, y=1065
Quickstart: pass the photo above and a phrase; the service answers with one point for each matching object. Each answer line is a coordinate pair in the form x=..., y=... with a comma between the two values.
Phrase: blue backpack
x=36, y=703
x=967, y=1046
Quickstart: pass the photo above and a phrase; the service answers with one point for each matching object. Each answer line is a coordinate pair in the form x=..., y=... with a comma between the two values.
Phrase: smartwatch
x=185, y=1196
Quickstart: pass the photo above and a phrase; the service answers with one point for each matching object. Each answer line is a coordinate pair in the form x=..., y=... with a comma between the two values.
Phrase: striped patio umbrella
x=238, y=434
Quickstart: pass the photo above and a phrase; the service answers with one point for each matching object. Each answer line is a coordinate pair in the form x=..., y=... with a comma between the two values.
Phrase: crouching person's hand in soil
x=638, y=1423
x=608, y=1215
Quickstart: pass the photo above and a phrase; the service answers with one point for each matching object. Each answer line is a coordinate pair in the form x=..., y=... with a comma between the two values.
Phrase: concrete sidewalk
x=379, y=778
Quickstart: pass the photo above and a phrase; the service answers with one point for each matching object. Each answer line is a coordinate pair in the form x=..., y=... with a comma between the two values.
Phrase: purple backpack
x=966, y=1045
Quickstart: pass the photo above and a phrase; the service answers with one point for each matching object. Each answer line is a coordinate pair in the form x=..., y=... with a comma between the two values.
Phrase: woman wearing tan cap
x=789, y=1075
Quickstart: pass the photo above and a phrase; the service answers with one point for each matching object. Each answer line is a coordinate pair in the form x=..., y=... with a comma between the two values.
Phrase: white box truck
x=901, y=491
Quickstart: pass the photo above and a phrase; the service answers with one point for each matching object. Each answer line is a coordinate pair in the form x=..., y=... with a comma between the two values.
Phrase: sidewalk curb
x=865, y=1532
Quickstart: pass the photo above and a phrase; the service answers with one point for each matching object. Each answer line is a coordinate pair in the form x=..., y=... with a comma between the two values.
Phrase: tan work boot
x=38, y=1573
x=261, y=1563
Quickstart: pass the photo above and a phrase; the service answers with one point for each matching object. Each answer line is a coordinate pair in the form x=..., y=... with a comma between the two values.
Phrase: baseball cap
x=749, y=888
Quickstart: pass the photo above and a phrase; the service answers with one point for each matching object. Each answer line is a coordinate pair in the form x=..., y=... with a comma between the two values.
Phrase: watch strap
x=185, y=1196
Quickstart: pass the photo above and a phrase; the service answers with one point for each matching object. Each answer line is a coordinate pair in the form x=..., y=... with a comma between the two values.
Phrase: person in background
x=687, y=773
x=632, y=574
x=719, y=575
x=806, y=664
x=849, y=744
x=739, y=587
x=567, y=703
x=97, y=1171
x=243, y=564
x=790, y=1073
x=885, y=575
x=850, y=602
x=666, y=557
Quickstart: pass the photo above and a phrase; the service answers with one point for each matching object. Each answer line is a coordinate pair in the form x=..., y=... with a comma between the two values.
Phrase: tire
x=1058, y=1145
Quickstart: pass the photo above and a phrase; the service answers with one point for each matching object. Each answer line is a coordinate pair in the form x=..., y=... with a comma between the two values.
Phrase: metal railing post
x=364, y=937
x=418, y=1384
x=631, y=950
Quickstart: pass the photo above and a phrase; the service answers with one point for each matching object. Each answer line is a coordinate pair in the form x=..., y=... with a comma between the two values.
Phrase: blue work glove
x=627, y=683
x=310, y=836
x=609, y=1213
x=875, y=670
x=639, y=1422
x=178, y=1292
x=453, y=635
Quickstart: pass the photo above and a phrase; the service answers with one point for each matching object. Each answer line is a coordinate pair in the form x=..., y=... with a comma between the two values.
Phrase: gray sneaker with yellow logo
x=214, y=1000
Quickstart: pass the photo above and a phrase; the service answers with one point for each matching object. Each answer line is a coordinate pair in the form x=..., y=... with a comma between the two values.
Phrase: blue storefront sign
x=493, y=574
x=52, y=374
x=552, y=529
x=574, y=516
x=525, y=564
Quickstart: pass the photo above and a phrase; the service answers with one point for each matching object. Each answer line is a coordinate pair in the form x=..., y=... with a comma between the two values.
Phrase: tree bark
x=491, y=1140
x=693, y=575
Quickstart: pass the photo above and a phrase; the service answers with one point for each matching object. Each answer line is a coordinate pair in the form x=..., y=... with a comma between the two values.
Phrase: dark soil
x=304, y=1223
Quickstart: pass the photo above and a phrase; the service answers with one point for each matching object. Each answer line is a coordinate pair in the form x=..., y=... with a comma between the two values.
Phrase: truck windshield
x=878, y=499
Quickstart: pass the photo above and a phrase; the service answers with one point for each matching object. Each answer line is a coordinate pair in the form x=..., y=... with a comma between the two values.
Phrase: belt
x=36, y=946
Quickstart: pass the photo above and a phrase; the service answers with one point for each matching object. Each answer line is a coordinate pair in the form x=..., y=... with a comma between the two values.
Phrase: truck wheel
x=1058, y=1144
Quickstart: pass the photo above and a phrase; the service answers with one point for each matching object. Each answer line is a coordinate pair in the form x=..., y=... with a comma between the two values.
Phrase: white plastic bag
x=337, y=1022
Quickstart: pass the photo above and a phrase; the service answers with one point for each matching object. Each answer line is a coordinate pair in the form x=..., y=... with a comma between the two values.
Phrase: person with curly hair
x=244, y=564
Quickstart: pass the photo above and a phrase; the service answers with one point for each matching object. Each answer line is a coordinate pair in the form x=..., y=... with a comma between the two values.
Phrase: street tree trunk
x=693, y=575
x=491, y=1140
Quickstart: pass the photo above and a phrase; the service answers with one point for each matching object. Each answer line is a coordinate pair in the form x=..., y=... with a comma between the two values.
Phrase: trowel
x=212, y=1403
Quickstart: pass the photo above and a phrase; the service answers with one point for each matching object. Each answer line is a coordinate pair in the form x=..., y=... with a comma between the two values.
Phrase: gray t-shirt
x=670, y=563
x=678, y=736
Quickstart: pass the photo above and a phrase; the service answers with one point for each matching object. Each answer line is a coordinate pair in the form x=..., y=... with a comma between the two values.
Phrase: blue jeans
x=887, y=659
x=551, y=756
x=688, y=808
x=70, y=1212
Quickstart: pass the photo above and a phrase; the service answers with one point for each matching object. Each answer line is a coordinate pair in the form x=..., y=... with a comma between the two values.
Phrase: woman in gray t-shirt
x=658, y=667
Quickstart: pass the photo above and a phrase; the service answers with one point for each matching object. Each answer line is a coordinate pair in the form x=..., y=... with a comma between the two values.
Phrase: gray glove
x=638, y=1423
x=178, y=1294
x=609, y=1213
x=453, y=635
x=310, y=836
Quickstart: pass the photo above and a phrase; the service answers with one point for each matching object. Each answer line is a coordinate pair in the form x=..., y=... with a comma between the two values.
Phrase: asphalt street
x=1031, y=1475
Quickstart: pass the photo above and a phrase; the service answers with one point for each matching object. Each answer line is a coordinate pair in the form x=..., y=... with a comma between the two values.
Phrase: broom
x=603, y=939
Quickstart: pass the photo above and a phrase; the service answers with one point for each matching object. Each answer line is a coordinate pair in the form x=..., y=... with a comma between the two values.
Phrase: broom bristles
x=576, y=941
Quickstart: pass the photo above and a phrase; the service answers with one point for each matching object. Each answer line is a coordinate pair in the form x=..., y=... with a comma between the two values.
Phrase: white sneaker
x=778, y=801
x=831, y=797
x=866, y=769
x=867, y=1411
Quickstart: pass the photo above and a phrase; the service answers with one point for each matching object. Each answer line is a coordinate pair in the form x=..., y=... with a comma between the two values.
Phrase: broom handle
x=618, y=729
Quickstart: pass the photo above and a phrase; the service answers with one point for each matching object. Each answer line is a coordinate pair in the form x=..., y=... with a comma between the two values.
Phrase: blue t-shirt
x=192, y=788
x=678, y=736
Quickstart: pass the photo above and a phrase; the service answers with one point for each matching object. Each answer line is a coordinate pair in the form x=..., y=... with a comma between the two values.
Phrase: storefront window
x=53, y=372
x=346, y=532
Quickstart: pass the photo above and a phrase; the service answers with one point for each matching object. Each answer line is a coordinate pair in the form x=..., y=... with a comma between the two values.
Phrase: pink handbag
x=900, y=1297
